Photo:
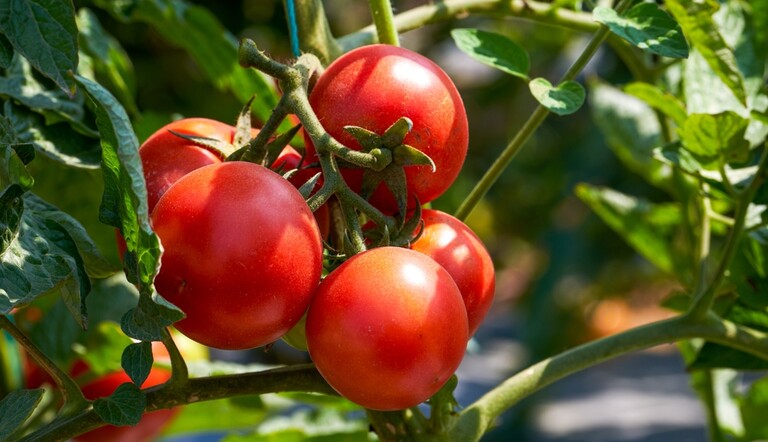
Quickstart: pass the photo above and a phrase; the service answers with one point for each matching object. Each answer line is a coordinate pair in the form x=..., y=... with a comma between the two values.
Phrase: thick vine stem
x=302, y=377
x=73, y=396
x=381, y=11
x=179, y=371
x=478, y=417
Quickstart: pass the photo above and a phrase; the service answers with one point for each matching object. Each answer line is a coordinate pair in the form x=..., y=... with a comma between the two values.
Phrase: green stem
x=534, y=121
x=179, y=371
x=707, y=391
x=302, y=377
x=315, y=34
x=73, y=396
x=383, y=19
x=478, y=417
x=705, y=296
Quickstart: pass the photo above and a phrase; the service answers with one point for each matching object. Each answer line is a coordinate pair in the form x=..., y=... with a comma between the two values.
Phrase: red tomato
x=456, y=247
x=290, y=159
x=372, y=87
x=242, y=257
x=387, y=328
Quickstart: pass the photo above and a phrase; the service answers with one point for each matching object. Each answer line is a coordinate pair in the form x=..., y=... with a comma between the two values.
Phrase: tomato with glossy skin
x=457, y=248
x=372, y=87
x=242, y=254
x=387, y=328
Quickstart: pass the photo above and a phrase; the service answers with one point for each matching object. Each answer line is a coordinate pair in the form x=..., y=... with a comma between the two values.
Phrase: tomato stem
x=179, y=371
x=383, y=19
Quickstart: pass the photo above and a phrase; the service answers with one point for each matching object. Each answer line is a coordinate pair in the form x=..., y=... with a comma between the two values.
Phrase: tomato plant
x=241, y=269
x=372, y=87
x=392, y=309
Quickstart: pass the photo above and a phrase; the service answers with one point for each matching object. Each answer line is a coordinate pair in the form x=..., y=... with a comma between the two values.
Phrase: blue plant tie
x=293, y=28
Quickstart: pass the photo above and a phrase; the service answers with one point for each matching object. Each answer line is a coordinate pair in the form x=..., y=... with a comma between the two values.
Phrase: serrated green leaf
x=631, y=130
x=137, y=361
x=109, y=60
x=754, y=408
x=148, y=320
x=646, y=26
x=662, y=101
x=44, y=32
x=16, y=408
x=720, y=135
x=124, y=204
x=647, y=227
x=43, y=257
x=54, y=105
x=124, y=407
x=59, y=142
x=212, y=46
x=564, y=99
x=494, y=50
x=695, y=18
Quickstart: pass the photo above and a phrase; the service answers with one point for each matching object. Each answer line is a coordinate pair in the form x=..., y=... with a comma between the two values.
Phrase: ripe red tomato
x=242, y=257
x=387, y=328
x=372, y=87
x=456, y=247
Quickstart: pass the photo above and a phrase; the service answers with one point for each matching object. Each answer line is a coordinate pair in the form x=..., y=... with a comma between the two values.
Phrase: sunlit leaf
x=646, y=26
x=564, y=99
x=494, y=50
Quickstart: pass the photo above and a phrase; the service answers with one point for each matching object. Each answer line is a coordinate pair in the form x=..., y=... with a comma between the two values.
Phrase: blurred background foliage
x=563, y=275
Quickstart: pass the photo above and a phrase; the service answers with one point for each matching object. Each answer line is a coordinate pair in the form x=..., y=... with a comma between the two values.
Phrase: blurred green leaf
x=632, y=131
x=695, y=18
x=137, y=361
x=715, y=136
x=16, y=408
x=44, y=32
x=103, y=347
x=646, y=26
x=6, y=52
x=56, y=345
x=110, y=61
x=714, y=355
x=309, y=425
x=215, y=49
x=494, y=50
x=647, y=227
x=564, y=99
x=224, y=414
x=754, y=407
x=664, y=102
x=124, y=407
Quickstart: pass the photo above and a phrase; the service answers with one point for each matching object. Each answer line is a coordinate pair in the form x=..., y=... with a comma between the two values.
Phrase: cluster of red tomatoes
x=243, y=254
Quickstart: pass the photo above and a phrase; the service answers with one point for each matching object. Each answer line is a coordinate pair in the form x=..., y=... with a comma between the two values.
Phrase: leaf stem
x=529, y=127
x=73, y=396
x=179, y=370
x=383, y=19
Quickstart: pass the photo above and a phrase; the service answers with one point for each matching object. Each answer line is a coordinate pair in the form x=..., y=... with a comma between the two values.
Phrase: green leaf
x=754, y=408
x=646, y=26
x=45, y=256
x=60, y=142
x=110, y=61
x=16, y=408
x=148, y=320
x=224, y=414
x=309, y=425
x=711, y=136
x=631, y=130
x=695, y=18
x=664, y=102
x=6, y=52
x=199, y=32
x=44, y=32
x=494, y=50
x=124, y=407
x=57, y=346
x=647, y=227
x=124, y=204
x=714, y=355
x=103, y=348
x=564, y=99
x=137, y=361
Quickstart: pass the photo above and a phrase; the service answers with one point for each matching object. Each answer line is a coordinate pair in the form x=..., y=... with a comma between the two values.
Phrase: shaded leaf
x=137, y=361
x=494, y=50
x=695, y=18
x=754, y=408
x=647, y=227
x=148, y=320
x=646, y=26
x=124, y=407
x=44, y=32
x=6, y=52
x=16, y=408
x=564, y=99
